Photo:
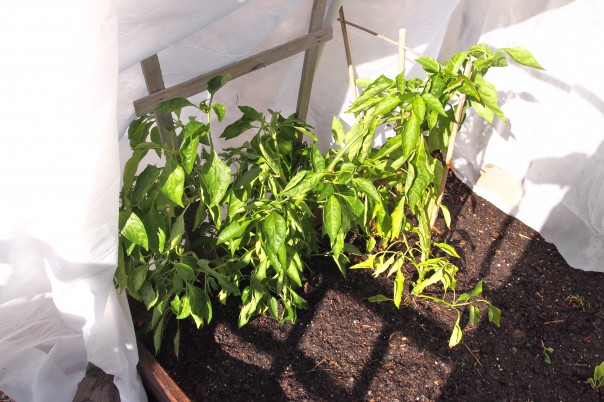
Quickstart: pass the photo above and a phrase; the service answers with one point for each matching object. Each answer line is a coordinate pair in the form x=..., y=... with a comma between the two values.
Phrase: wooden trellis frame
x=309, y=43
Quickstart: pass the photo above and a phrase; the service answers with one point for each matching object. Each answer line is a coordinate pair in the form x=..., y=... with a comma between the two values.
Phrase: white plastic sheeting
x=58, y=210
x=59, y=165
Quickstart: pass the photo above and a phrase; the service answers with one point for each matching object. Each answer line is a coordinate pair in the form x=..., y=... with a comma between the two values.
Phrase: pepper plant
x=245, y=221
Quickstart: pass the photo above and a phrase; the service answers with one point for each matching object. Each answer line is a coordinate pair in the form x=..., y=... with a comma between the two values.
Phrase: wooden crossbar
x=199, y=84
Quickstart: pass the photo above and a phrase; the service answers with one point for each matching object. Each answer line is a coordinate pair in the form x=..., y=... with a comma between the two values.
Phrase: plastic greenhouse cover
x=59, y=164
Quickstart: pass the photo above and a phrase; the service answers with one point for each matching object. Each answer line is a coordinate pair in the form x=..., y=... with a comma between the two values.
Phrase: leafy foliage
x=243, y=222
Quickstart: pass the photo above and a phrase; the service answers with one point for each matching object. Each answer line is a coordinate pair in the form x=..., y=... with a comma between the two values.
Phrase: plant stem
x=461, y=105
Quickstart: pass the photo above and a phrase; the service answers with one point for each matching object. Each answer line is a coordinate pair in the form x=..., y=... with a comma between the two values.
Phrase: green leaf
x=419, y=108
x=488, y=95
x=183, y=308
x=216, y=178
x=446, y=215
x=378, y=298
x=251, y=114
x=201, y=306
x=379, y=85
x=133, y=229
x=158, y=334
x=235, y=129
x=494, y=315
x=523, y=56
x=477, y=289
x=474, y=315
x=310, y=182
x=148, y=294
x=219, y=110
x=233, y=230
x=433, y=104
x=399, y=287
x=447, y=249
x=177, y=342
x=367, y=188
x=337, y=130
x=423, y=177
x=145, y=181
x=217, y=82
x=400, y=82
x=456, y=334
x=332, y=218
x=275, y=230
x=172, y=181
x=121, y=277
x=483, y=111
x=173, y=105
x=387, y=103
x=189, y=153
x=317, y=159
x=273, y=307
x=411, y=135
x=130, y=171
x=177, y=230
x=137, y=277
x=429, y=64
x=185, y=272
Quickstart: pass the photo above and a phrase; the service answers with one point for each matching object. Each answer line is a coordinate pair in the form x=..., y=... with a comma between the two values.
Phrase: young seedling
x=576, y=301
x=546, y=352
x=597, y=381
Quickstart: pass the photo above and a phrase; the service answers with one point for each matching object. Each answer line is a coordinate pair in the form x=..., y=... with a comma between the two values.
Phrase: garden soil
x=345, y=348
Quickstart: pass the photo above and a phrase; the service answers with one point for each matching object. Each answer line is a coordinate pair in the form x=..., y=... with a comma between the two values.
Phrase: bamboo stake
x=382, y=37
x=402, y=34
x=351, y=73
x=461, y=105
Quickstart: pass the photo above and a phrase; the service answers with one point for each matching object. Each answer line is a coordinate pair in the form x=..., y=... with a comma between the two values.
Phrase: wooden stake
x=461, y=105
x=310, y=60
x=351, y=74
x=155, y=83
x=200, y=83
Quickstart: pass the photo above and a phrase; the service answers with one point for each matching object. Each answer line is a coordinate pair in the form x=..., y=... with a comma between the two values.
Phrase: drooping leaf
x=219, y=111
x=433, y=104
x=474, y=315
x=201, y=306
x=189, y=153
x=523, y=57
x=494, y=315
x=332, y=217
x=337, y=130
x=379, y=298
x=399, y=287
x=456, y=334
x=216, y=178
x=137, y=277
x=411, y=135
x=310, y=182
x=172, y=181
x=275, y=230
x=145, y=181
x=177, y=230
x=367, y=187
x=488, y=95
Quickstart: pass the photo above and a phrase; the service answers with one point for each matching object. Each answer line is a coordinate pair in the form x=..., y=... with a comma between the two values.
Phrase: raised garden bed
x=346, y=348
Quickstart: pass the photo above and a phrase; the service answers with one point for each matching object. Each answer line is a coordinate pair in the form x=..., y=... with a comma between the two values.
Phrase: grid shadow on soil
x=344, y=348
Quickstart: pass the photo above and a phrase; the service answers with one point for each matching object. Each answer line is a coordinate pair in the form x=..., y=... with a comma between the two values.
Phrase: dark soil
x=344, y=348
